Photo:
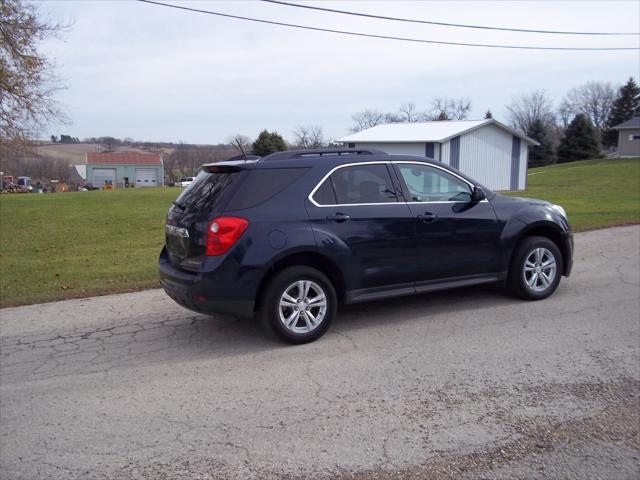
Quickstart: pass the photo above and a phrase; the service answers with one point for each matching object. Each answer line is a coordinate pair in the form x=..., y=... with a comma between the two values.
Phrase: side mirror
x=478, y=194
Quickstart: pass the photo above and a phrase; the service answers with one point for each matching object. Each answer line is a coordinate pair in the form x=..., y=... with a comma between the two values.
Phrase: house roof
x=633, y=123
x=437, y=131
x=124, y=158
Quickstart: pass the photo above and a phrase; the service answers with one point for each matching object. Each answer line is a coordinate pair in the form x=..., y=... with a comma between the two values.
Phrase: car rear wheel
x=536, y=268
x=299, y=304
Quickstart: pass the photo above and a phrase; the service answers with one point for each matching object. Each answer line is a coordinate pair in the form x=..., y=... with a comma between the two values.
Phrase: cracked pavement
x=468, y=383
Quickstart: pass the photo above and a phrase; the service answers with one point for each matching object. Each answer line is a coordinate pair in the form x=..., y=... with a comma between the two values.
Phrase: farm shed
x=629, y=138
x=486, y=150
x=139, y=169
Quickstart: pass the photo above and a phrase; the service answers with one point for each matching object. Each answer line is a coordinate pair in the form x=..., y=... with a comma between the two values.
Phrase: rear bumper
x=205, y=292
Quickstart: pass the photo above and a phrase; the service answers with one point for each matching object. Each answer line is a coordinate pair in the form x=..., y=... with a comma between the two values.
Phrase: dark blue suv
x=294, y=234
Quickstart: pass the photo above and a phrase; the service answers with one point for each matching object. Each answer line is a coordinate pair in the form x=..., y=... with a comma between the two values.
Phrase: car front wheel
x=299, y=304
x=536, y=268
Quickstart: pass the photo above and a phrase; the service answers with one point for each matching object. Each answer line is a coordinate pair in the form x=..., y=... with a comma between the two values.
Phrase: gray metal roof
x=435, y=131
x=633, y=123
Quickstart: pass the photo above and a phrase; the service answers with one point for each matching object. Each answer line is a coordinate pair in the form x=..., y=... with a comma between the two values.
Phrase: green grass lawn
x=595, y=193
x=66, y=245
x=79, y=244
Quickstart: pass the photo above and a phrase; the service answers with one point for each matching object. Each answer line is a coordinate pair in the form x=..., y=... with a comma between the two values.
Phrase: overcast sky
x=160, y=74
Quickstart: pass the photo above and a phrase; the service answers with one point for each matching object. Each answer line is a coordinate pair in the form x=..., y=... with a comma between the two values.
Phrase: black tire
x=533, y=283
x=274, y=318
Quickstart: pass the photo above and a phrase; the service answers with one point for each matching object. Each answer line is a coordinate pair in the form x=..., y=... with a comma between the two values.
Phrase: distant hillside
x=74, y=153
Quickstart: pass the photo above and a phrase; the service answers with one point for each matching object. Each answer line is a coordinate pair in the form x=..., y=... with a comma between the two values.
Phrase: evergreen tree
x=579, y=142
x=268, y=142
x=488, y=114
x=542, y=154
x=625, y=107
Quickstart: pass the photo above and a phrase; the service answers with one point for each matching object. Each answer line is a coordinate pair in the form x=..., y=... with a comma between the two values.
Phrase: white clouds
x=156, y=73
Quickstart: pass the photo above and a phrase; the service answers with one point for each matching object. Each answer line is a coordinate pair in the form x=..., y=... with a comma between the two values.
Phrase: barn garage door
x=100, y=175
x=146, y=177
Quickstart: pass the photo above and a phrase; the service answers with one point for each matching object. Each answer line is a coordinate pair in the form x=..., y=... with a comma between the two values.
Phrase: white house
x=486, y=150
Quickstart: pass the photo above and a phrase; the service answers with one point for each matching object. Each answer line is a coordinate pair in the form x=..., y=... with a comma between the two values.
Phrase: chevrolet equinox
x=292, y=235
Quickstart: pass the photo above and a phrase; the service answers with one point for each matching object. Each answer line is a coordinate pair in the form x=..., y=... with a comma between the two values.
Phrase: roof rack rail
x=322, y=152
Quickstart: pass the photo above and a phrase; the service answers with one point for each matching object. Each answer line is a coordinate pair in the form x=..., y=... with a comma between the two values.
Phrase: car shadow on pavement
x=181, y=335
x=220, y=335
x=249, y=334
x=466, y=301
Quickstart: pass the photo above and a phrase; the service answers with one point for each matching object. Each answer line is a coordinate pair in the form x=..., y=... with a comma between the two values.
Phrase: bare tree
x=170, y=168
x=309, y=137
x=445, y=108
x=186, y=158
x=109, y=143
x=31, y=162
x=565, y=112
x=241, y=143
x=526, y=108
x=367, y=119
x=393, y=117
x=409, y=113
x=27, y=79
x=594, y=99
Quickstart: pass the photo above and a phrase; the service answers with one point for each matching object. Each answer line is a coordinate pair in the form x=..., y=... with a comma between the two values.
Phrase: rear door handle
x=428, y=217
x=338, y=217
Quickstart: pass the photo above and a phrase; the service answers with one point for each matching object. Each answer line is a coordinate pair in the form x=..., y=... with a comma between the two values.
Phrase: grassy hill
x=595, y=193
x=80, y=244
x=74, y=153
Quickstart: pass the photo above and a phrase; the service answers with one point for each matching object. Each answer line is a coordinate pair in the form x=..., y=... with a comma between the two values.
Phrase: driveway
x=469, y=383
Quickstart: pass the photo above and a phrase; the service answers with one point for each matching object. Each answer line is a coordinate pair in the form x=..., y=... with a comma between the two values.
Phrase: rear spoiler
x=228, y=166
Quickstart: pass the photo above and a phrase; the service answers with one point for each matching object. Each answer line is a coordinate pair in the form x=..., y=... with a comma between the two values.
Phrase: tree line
x=579, y=128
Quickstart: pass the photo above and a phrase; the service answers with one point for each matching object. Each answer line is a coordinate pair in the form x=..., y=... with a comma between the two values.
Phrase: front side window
x=429, y=184
x=357, y=184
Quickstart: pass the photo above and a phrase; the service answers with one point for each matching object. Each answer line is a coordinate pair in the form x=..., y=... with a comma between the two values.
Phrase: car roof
x=325, y=159
x=328, y=159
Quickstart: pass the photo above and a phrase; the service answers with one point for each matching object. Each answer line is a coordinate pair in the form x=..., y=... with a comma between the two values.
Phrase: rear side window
x=261, y=184
x=325, y=195
x=205, y=190
x=357, y=184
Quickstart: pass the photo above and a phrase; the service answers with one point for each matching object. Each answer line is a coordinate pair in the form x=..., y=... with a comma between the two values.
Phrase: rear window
x=205, y=190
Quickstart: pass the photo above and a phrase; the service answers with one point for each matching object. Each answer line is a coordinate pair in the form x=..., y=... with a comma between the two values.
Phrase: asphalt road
x=464, y=384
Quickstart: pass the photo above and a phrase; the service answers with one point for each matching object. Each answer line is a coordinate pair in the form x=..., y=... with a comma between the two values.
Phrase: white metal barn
x=486, y=150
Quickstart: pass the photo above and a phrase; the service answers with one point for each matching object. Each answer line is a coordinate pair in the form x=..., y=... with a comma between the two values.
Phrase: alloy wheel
x=302, y=306
x=539, y=269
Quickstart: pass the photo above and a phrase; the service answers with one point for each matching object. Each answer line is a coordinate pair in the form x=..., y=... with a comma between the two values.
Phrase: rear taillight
x=223, y=233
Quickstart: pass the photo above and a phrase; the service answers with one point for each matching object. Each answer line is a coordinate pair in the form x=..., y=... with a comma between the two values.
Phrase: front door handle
x=338, y=217
x=428, y=217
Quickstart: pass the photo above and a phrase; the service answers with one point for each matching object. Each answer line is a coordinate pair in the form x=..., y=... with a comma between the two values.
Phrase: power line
x=443, y=24
x=383, y=37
